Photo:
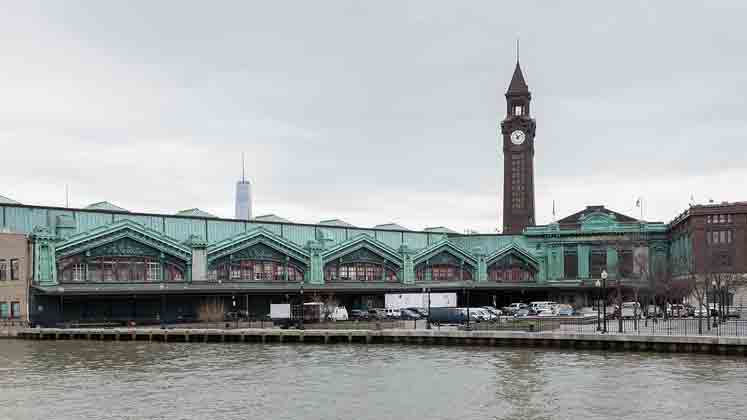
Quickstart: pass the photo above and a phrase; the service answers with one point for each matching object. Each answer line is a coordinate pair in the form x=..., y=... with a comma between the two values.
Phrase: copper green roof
x=6, y=200
x=439, y=229
x=195, y=212
x=336, y=222
x=390, y=226
x=271, y=218
x=104, y=205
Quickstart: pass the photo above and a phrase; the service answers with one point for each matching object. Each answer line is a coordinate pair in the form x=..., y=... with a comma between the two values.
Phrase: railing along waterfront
x=684, y=327
x=646, y=326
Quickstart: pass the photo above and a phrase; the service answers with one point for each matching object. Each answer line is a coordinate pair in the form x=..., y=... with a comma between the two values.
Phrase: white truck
x=419, y=300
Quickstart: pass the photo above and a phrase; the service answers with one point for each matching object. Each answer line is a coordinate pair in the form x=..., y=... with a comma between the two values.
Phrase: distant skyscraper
x=243, y=196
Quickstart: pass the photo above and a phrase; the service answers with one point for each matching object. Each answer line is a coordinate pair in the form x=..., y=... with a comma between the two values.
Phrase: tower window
x=518, y=110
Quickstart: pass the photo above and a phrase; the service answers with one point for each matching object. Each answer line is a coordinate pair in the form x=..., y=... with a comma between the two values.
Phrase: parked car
x=565, y=310
x=377, y=313
x=340, y=313
x=515, y=307
x=359, y=315
x=393, y=313
x=409, y=314
x=546, y=313
x=496, y=312
x=631, y=310
x=423, y=312
x=522, y=313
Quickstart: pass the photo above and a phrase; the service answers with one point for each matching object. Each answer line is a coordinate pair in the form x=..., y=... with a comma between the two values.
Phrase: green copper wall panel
x=416, y=241
x=219, y=230
x=151, y=222
x=2, y=216
x=435, y=237
x=180, y=229
x=23, y=220
x=337, y=235
x=86, y=221
x=393, y=239
x=612, y=262
x=583, y=261
x=301, y=235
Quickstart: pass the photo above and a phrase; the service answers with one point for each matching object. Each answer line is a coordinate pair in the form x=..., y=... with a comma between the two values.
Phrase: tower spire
x=517, y=49
x=243, y=178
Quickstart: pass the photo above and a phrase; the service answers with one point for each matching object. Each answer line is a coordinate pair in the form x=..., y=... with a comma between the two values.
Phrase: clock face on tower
x=517, y=137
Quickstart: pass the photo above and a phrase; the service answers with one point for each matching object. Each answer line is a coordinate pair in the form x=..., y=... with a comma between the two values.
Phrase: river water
x=110, y=380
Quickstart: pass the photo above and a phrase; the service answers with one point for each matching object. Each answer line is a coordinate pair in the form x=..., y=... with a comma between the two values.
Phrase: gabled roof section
x=363, y=241
x=439, y=229
x=518, y=85
x=6, y=200
x=513, y=249
x=390, y=226
x=195, y=212
x=336, y=222
x=106, y=206
x=94, y=238
x=255, y=236
x=585, y=214
x=441, y=246
x=271, y=218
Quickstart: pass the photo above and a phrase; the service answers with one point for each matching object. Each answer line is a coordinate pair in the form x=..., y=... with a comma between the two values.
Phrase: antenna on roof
x=67, y=197
x=517, y=49
x=243, y=178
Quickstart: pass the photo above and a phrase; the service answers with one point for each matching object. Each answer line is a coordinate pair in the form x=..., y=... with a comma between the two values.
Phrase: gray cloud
x=374, y=112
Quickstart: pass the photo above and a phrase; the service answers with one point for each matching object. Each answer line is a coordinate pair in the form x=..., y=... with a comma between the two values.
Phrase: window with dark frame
x=14, y=269
x=570, y=264
x=625, y=263
x=597, y=262
x=3, y=270
x=15, y=310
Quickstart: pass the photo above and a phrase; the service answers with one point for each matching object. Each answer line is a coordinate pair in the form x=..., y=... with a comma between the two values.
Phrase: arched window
x=443, y=272
x=511, y=270
x=254, y=270
x=119, y=269
x=359, y=271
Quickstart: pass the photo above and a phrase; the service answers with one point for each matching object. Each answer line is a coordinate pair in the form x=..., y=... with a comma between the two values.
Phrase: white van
x=393, y=313
x=630, y=310
x=545, y=305
x=339, y=314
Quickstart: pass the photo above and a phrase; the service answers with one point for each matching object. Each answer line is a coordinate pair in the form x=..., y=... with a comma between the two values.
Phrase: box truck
x=419, y=300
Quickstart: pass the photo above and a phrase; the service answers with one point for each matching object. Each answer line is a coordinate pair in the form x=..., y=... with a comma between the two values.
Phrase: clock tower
x=517, y=133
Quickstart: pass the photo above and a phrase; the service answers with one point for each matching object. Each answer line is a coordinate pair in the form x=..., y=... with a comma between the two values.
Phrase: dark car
x=420, y=311
x=565, y=311
x=409, y=314
x=359, y=314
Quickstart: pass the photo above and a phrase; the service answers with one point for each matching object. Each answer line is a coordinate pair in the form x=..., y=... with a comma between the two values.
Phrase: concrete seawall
x=674, y=344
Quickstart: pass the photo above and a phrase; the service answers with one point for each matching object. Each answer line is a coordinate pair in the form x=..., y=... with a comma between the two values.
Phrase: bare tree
x=211, y=310
x=698, y=285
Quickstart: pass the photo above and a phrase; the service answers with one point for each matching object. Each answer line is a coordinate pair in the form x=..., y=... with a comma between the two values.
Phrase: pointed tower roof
x=518, y=85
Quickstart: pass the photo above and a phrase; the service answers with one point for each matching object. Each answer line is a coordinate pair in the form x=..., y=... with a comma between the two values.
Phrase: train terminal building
x=104, y=262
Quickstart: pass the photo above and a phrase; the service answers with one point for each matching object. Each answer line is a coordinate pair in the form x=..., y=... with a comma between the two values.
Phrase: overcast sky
x=379, y=112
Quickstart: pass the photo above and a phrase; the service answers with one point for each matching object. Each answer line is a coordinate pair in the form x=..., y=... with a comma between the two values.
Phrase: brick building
x=14, y=277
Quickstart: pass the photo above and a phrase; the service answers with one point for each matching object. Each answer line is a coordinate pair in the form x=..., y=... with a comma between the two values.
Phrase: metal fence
x=590, y=325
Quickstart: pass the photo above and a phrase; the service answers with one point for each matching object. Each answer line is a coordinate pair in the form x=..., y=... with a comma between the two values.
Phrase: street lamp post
x=300, y=321
x=599, y=304
x=235, y=314
x=466, y=295
x=715, y=293
x=604, y=290
x=428, y=315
